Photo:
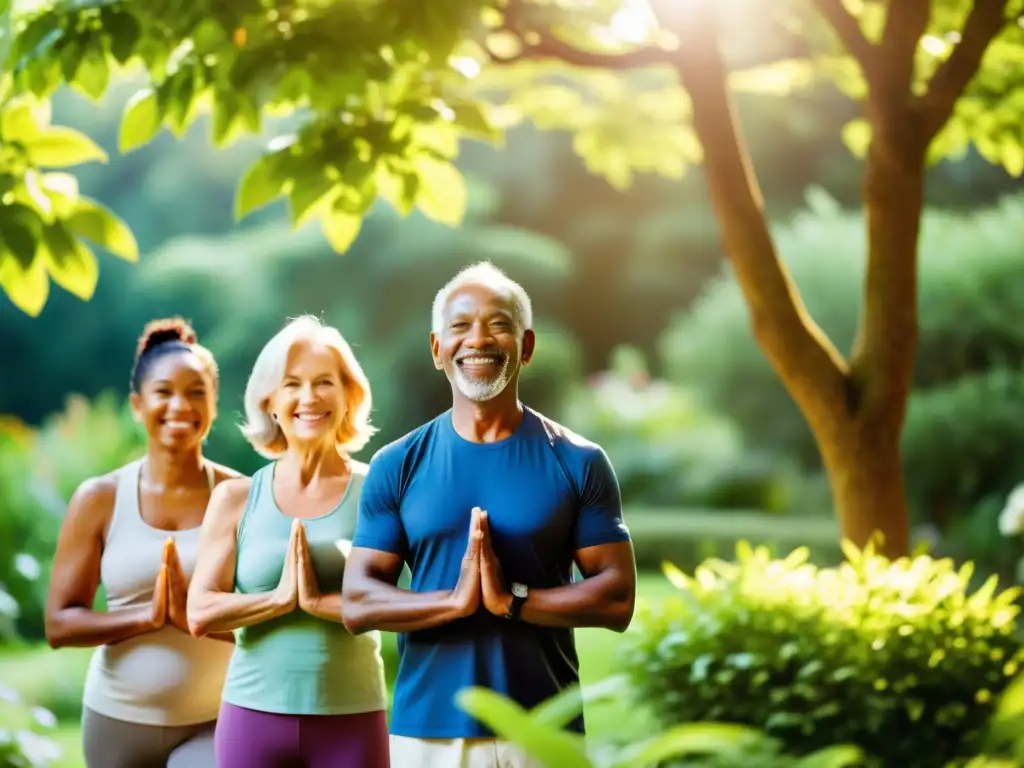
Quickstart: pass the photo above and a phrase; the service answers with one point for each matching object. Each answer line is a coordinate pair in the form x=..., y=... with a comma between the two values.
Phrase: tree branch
x=850, y=34
x=905, y=24
x=809, y=365
x=986, y=19
x=548, y=47
x=539, y=44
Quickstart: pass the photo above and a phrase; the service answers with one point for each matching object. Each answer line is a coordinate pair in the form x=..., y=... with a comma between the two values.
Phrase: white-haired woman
x=300, y=689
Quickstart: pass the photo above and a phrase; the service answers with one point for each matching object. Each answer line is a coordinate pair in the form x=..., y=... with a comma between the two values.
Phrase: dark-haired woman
x=152, y=691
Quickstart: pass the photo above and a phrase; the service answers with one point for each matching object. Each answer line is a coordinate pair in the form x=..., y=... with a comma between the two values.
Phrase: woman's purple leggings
x=246, y=738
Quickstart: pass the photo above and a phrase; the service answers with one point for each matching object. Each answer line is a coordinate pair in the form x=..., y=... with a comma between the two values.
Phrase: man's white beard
x=482, y=390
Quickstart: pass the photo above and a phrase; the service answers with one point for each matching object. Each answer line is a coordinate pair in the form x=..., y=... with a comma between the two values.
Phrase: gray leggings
x=110, y=743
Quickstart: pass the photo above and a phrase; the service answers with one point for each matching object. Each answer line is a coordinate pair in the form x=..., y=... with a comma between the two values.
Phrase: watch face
x=519, y=590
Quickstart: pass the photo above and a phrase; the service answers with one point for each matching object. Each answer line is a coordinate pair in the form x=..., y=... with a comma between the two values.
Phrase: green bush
x=23, y=739
x=963, y=447
x=896, y=657
x=667, y=448
x=20, y=524
x=692, y=745
x=39, y=470
x=24, y=742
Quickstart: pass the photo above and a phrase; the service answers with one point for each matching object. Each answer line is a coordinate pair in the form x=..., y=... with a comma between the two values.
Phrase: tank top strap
x=211, y=475
x=259, y=492
x=126, y=516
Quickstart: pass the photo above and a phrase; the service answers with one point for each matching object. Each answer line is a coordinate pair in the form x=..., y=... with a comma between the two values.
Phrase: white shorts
x=407, y=752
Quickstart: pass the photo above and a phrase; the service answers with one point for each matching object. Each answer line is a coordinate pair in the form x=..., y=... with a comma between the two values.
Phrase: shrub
x=23, y=739
x=894, y=656
x=963, y=447
x=39, y=470
x=693, y=745
x=87, y=438
x=23, y=742
x=19, y=524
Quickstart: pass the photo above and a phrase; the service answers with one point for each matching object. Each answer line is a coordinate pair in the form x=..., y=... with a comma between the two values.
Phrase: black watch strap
x=519, y=595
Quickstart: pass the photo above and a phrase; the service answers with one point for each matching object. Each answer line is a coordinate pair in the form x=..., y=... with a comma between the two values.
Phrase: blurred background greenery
x=643, y=352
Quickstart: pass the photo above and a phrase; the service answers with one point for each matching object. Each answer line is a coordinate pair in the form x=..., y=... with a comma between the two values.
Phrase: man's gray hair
x=489, y=276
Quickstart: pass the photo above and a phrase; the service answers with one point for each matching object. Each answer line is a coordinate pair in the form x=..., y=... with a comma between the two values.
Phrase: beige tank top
x=166, y=677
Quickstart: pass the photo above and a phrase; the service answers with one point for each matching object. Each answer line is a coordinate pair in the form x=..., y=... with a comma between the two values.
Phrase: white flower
x=39, y=749
x=1011, y=519
x=44, y=717
x=27, y=566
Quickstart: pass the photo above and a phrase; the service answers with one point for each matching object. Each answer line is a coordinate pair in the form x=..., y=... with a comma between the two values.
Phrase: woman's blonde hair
x=262, y=432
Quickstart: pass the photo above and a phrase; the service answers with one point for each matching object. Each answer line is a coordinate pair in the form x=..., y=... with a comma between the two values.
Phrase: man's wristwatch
x=519, y=595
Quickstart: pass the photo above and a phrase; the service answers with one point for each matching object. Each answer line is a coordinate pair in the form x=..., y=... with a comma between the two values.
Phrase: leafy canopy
x=382, y=91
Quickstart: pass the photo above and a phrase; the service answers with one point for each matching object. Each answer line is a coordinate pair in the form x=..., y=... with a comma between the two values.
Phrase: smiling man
x=489, y=504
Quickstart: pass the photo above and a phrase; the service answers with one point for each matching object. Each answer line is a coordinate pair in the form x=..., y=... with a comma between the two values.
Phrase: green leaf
x=312, y=191
x=42, y=77
x=61, y=189
x=1012, y=155
x=675, y=576
x=473, y=121
x=37, y=38
x=208, y=35
x=359, y=188
x=559, y=710
x=840, y=756
x=506, y=718
x=70, y=263
x=260, y=185
x=92, y=221
x=141, y=121
x=93, y=74
x=36, y=195
x=227, y=124
x=27, y=288
x=70, y=58
x=20, y=230
x=124, y=31
x=442, y=193
x=249, y=109
x=17, y=122
x=341, y=228
x=397, y=186
x=60, y=147
x=718, y=739
x=951, y=143
x=857, y=136
x=852, y=553
x=179, y=100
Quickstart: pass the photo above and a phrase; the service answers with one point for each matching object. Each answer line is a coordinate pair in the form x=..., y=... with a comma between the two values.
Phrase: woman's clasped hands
x=298, y=586
x=170, y=592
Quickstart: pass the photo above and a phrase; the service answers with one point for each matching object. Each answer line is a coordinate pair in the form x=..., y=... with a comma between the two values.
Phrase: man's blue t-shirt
x=542, y=506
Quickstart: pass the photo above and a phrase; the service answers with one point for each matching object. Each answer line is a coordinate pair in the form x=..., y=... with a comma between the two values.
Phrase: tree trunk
x=855, y=410
x=866, y=478
x=866, y=471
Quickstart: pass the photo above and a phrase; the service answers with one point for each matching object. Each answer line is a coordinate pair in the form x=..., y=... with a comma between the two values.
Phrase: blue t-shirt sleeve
x=600, y=516
x=379, y=524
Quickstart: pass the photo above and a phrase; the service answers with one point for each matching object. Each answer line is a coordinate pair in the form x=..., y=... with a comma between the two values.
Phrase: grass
x=54, y=679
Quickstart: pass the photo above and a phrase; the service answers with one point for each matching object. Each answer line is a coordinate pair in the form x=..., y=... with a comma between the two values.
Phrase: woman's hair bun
x=161, y=331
